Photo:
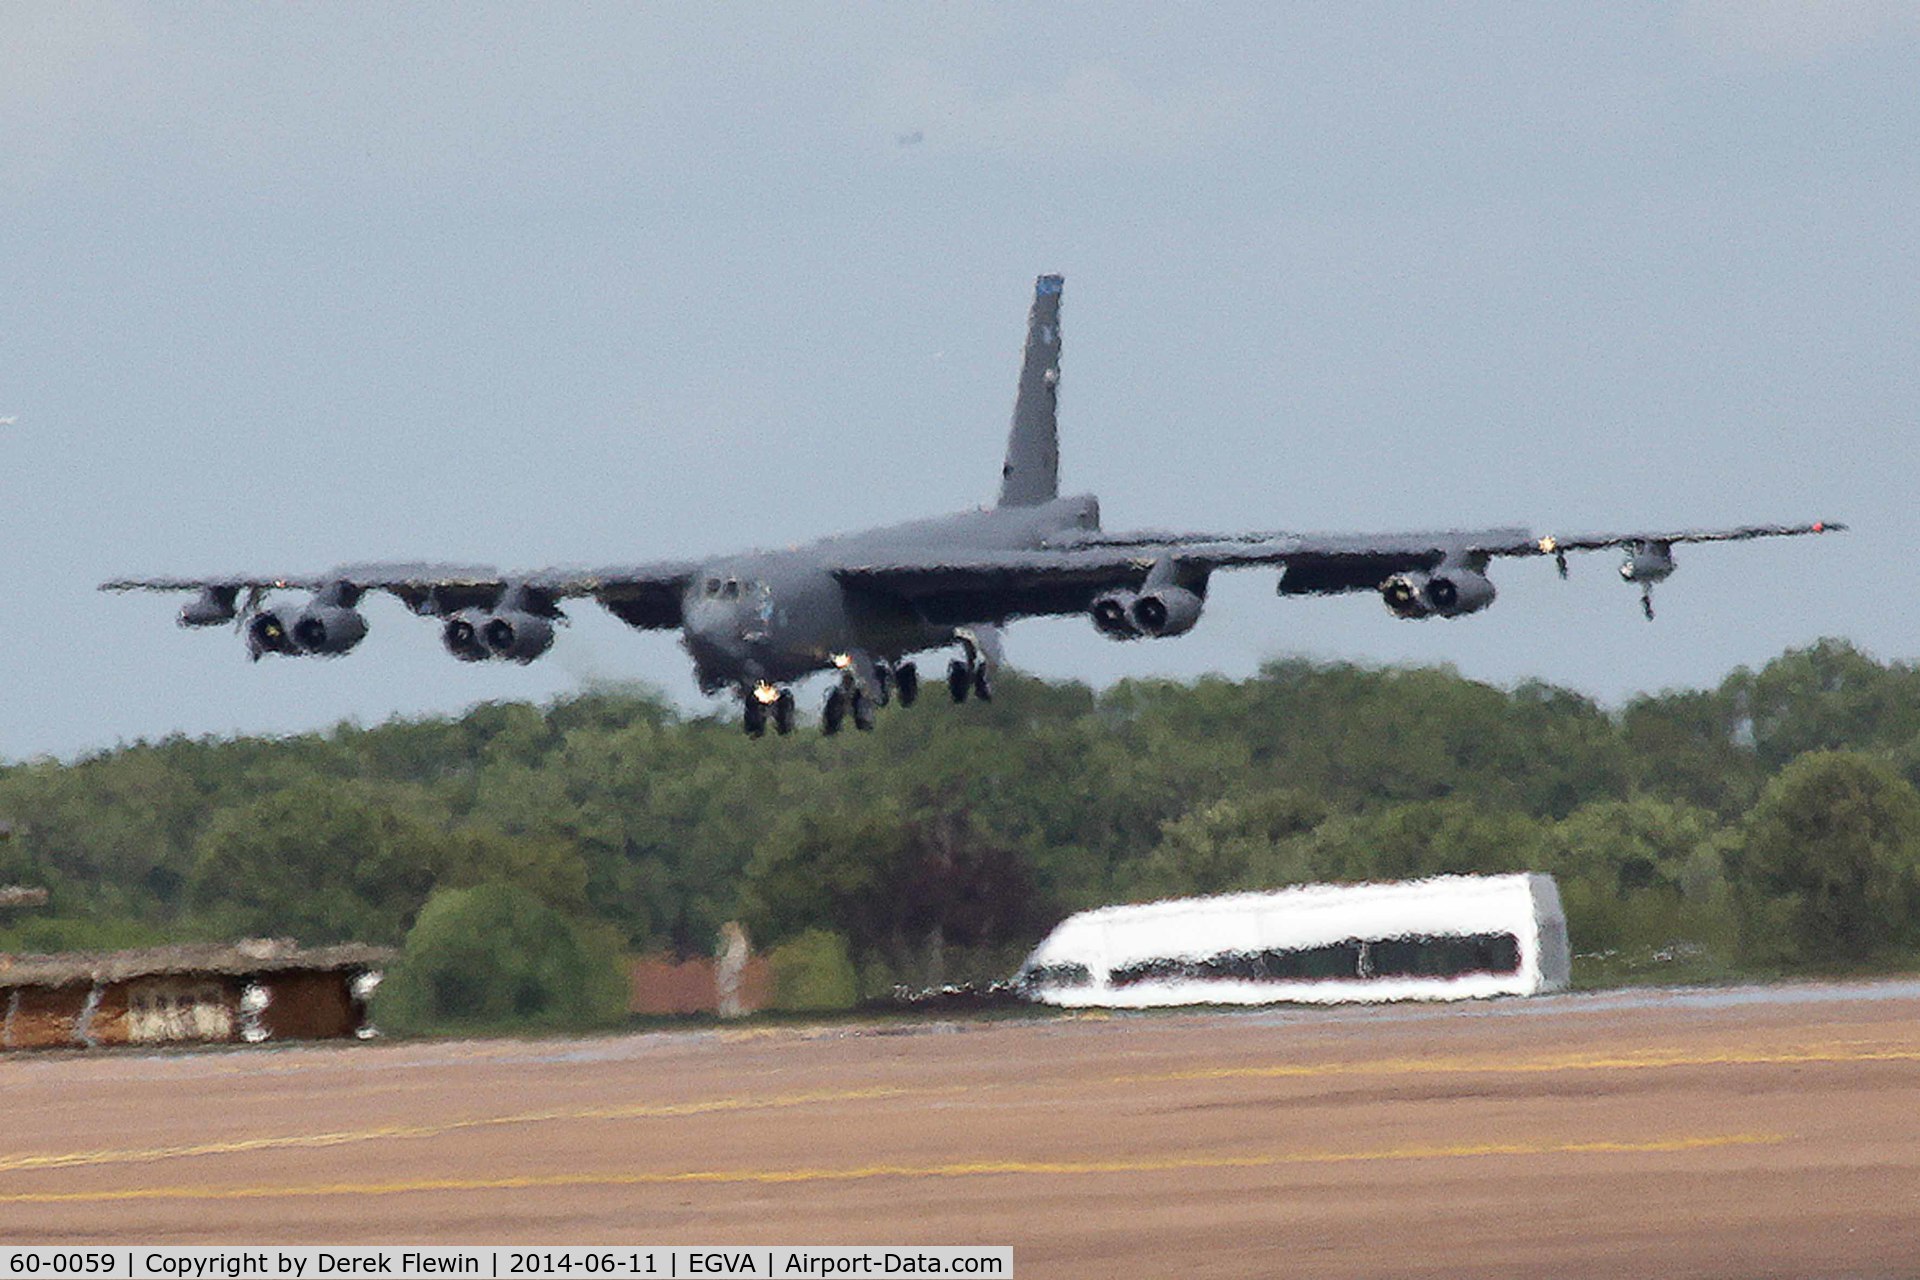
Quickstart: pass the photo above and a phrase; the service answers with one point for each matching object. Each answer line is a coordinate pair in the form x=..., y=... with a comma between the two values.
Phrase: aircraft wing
x=1066, y=578
x=1551, y=543
x=646, y=596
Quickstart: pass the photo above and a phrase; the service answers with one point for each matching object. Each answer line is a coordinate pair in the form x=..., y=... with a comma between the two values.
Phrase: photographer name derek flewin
x=571, y=1262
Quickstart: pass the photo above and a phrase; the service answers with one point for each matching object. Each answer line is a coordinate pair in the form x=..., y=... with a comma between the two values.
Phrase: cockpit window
x=713, y=586
x=730, y=589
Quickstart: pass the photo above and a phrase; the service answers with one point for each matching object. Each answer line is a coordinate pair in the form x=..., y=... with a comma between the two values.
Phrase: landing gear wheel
x=863, y=709
x=982, y=686
x=783, y=713
x=754, y=716
x=906, y=678
x=883, y=682
x=959, y=680
x=835, y=712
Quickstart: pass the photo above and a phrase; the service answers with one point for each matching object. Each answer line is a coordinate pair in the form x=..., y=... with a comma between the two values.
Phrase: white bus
x=1447, y=938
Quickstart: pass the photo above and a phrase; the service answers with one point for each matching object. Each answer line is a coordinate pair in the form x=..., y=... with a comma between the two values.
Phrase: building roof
x=236, y=959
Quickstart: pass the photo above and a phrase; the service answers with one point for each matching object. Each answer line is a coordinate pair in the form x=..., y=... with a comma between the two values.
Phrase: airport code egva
x=142, y=1262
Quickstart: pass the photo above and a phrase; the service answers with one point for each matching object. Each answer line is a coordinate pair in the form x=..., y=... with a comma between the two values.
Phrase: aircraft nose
x=722, y=641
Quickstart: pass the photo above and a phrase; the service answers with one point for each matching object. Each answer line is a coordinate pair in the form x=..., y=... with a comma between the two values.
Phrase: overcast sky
x=287, y=286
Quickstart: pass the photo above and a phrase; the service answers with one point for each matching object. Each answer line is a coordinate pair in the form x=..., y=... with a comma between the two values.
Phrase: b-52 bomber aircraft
x=862, y=605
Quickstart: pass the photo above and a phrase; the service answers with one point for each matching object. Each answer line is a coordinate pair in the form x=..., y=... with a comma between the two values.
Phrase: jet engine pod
x=1113, y=616
x=271, y=631
x=461, y=635
x=330, y=629
x=516, y=635
x=1447, y=592
x=1453, y=592
x=1166, y=611
x=213, y=606
x=1406, y=595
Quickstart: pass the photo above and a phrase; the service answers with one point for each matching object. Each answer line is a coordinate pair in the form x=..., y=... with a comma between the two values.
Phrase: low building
x=245, y=992
x=732, y=984
x=665, y=987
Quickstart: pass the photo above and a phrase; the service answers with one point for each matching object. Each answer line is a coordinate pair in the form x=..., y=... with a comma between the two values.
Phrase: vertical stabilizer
x=1031, y=474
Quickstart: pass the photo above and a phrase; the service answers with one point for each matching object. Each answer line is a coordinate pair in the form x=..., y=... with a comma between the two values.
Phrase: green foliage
x=943, y=844
x=1825, y=698
x=33, y=933
x=328, y=861
x=812, y=972
x=1427, y=838
x=1830, y=862
x=1240, y=842
x=900, y=881
x=1644, y=887
x=1642, y=843
x=496, y=957
x=319, y=861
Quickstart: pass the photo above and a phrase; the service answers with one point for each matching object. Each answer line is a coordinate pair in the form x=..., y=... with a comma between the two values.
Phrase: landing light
x=1547, y=544
x=843, y=660
x=765, y=693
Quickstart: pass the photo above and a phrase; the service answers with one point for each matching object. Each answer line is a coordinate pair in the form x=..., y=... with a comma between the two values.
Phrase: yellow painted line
x=1832, y=1054
x=345, y=1137
x=966, y=1169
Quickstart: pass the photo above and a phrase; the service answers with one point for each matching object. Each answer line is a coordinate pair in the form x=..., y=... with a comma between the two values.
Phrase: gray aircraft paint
x=865, y=603
x=1031, y=474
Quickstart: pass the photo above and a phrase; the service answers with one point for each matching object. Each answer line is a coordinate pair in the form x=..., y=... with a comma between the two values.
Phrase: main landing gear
x=969, y=677
x=847, y=697
x=765, y=702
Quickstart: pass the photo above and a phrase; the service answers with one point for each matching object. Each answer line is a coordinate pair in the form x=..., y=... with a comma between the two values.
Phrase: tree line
x=1768, y=825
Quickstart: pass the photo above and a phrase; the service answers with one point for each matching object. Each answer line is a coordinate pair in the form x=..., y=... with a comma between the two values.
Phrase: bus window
x=1422, y=956
x=1336, y=960
x=1059, y=975
x=1161, y=970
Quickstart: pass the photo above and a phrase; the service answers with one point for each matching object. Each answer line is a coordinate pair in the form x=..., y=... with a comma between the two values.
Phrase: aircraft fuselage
x=772, y=617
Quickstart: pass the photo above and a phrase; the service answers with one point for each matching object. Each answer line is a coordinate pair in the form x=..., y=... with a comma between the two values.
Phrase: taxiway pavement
x=1742, y=1132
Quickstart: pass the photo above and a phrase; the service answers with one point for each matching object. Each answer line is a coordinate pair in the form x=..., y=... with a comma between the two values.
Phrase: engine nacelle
x=213, y=606
x=461, y=635
x=271, y=631
x=519, y=636
x=1113, y=616
x=1446, y=592
x=1648, y=562
x=1166, y=611
x=329, y=629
